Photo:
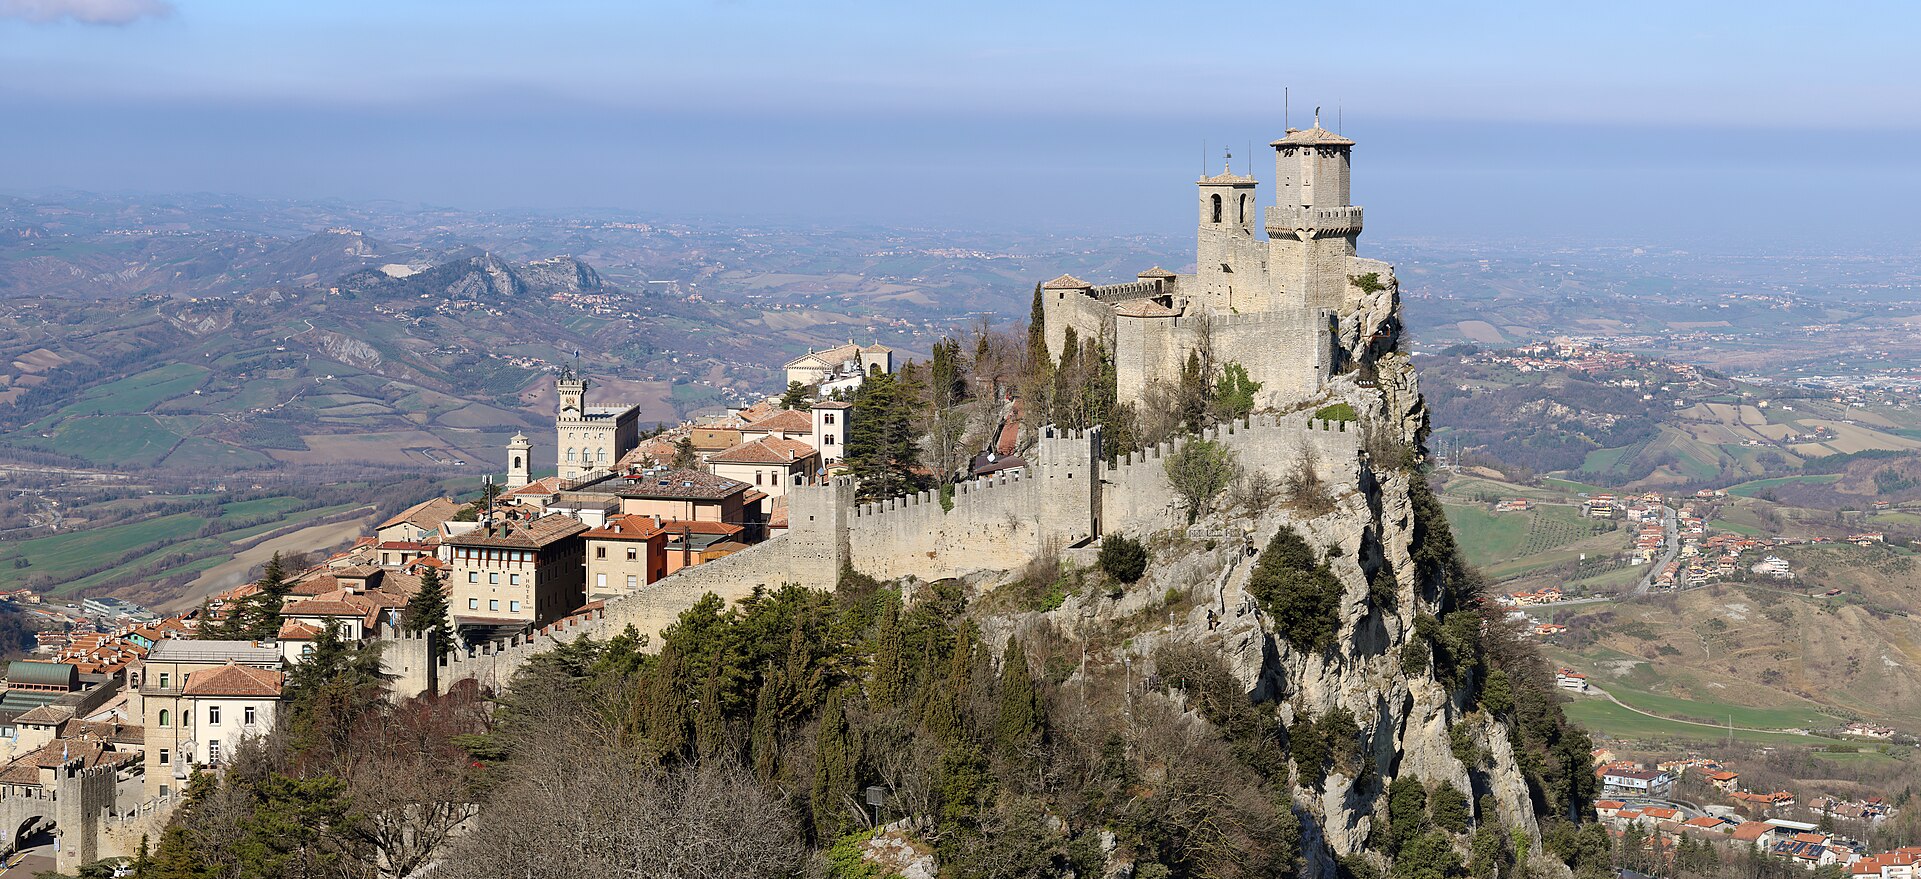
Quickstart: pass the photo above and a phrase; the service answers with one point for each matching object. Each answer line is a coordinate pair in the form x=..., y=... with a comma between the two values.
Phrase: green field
x=1792, y=717
x=1487, y=537
x=59, y=554
x=1607, y=718
x=1750, y=489
x=1504, y=544
x=138, y=393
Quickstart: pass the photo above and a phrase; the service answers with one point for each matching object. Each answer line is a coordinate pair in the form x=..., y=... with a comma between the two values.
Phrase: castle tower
x=519, y=461
x=573, y=395
x=1311, y=229
x=1227, y=259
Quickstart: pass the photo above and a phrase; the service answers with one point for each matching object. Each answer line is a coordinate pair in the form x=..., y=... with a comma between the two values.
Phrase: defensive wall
x=1067, y=497
x=76, y=803
x=1289, y=351
x=1089, y=311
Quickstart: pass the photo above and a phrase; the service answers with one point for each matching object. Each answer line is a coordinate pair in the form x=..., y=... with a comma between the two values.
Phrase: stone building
x=590, y=437
x=177, y=736
x=1275, y=305
x=514, y=571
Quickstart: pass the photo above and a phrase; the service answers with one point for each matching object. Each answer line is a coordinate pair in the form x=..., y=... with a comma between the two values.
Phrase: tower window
x=1217, y=208
x=1243, y=210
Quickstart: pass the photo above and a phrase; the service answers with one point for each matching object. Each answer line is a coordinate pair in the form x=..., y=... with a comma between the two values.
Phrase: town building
x=1637, y=782
x=180, y=731
x=516, y=571
x=625, y=554
x=589, y=437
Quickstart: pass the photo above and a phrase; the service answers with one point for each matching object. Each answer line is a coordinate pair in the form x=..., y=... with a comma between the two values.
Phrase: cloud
x=85, y=11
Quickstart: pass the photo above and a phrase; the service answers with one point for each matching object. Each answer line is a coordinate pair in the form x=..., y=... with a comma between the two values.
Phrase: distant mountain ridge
x=485, y=276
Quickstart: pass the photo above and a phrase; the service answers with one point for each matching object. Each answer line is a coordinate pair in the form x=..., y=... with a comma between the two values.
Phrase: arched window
x=601, y=456
x=1217, y=208
x=166, y=719
x=1243, y=210
x=570, y=454
x=516, y=462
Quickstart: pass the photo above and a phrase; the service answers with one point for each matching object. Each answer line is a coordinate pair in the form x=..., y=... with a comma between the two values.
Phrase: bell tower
x=573, y=394
x=1227, y=262
x=519, y=461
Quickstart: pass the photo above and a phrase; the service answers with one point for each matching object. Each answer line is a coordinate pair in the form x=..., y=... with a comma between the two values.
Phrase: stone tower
x=1227, y=262
x=519, y=461
x=573, y=395
x=1312, y=227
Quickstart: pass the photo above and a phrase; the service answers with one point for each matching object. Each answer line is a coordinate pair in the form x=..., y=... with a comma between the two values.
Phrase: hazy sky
x=1792, y=121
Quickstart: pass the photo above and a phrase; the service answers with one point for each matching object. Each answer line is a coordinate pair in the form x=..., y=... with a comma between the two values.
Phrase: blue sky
x=1489, y=121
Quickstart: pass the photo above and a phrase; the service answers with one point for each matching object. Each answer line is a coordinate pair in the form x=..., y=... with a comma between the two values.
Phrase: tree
x=1199, y=471
x=1406, y=812
x=258, y=616
x=685, y=456
x=795, y=397
x=1123, y=558
x=836, y=762
x=328, y=692
x=1234, y=392
x=426, y=614
x=1449, y=807
x=888, y=684
x=1018, y=728
x=1299, y=591
x=945, y=419
x=882, y=447
x=1037, y=330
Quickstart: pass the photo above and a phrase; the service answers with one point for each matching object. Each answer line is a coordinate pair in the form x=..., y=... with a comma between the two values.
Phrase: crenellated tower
x=1227, y=256
x=1312, y=227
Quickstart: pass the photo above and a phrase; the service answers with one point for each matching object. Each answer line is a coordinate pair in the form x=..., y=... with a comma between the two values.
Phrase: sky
x=1792, y=123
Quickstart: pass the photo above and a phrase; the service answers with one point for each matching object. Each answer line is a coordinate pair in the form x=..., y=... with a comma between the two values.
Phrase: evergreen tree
x=1449, y=807
x=1299, y=591
x=1037, y=331
x=763, y=740
x=1018, y=729
x=426, y=613
x=888, y=683
x=259, y=616
x=685, y=457
x=1234, y=393
x=330, y=688
x=836, y=762
x=1406, y=812
x=795, y=397
x=882, y=444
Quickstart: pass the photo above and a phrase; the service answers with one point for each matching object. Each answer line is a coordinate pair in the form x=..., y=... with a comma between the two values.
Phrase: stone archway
x=27, y=828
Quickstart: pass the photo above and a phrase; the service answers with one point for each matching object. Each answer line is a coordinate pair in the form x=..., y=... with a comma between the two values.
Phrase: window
x=513, y=579
x=513, y=606
x=827, y=418
x=166, y=719
x=1217, y=208
x=164, y=790
x=247, y=715
x=306, y=650
x=166, y=757
x=600, y=582
x=213, y=715
x=163, y=680
x=632, y=554
x=600, y=552
x=473, y=604
x=570, y=454
x=493, y=604
x=213, y=752
x=493, y=579
x=601, y=456
x=760, y=477
x=473, y=576
x=1243, y=210
x=633, y=582
x=828, y=440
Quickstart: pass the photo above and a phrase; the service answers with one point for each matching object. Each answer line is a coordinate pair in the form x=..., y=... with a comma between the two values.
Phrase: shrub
x=1336, y=412
x=1123, y=558
x=1298, y=591
x=1369, y=283
x=1198, y=473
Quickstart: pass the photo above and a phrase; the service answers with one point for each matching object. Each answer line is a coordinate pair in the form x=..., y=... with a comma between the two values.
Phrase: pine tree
x=764, y=739
x=1018, y=729
x=836, y=761
x=426, y=613
x=259, y=615
x=795, y=397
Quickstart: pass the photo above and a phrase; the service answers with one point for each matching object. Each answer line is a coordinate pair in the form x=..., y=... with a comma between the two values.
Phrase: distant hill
x=484, y=277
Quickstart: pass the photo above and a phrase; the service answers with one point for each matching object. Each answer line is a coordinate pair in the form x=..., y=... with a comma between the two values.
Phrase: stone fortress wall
x=1069, y=496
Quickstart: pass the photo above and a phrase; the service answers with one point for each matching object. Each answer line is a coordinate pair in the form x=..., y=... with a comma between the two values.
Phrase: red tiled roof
x=785, y=421
x=1750, y=831
x=769, y=450
x=234, y=680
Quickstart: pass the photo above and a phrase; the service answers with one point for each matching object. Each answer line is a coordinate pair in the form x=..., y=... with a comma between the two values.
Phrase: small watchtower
x=1312, y=228
x=519, y=461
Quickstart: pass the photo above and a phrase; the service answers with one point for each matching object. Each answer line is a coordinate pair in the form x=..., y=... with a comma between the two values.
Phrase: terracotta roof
x=876, y=348
x=830, y=357
x=1066, y=282
x=522, y=535
x=426, y=515
x=1156, y=272
x=697, y=526
x=294, y=630
x=47, y=715
x=627, y=527
x=234, y=680
x=676, y=485
x=770, y=450
x=832, y=404
x=709, y=439
x=1750, y=831
x=1228, y=178
x=786, y=420
x=1316, y=136
x=543, y=485
x=1143, y=308
x=320, y=585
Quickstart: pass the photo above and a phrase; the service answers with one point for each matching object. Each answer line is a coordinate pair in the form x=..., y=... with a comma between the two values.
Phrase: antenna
x=1287, y=108
x=1250, y=158
x=1340, y=118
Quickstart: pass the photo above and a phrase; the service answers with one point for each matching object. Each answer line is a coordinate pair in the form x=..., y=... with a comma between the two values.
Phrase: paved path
x=1671, y=530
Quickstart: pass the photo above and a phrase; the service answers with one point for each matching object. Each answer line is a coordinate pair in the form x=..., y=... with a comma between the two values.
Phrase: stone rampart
x=1089, y=317
x=1112, y=293
x=1137, y=497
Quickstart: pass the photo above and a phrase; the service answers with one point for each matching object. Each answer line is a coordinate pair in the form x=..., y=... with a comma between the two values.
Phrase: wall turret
x=1227, y=259
x=1312, y=227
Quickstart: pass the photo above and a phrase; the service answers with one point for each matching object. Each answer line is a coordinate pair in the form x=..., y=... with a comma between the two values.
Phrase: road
x=36, y=857
x=1671, y=529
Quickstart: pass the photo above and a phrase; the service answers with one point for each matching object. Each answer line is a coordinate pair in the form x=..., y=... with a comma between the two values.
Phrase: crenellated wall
x=1137, y=497
x=1289, y=351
